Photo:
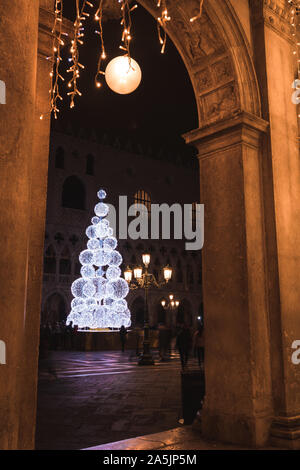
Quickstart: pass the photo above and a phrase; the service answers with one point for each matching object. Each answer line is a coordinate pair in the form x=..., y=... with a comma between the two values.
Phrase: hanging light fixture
x=123, y=75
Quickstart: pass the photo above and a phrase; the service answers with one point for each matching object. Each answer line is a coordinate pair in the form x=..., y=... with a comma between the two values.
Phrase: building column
x=38, y=196
x=238, y=405
x=276, y=70
x=18, y=68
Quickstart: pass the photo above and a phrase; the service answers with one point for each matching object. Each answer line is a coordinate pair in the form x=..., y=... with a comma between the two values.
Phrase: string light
x=102, y=55
x=127, y=25
x=78, y=37
x=81, y=15
x=56, y=59
x=161, y=24
x=199, y=14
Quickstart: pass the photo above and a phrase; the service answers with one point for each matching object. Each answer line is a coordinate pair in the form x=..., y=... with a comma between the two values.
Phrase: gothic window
x=73, y=193
x=59, y=238
x=65, y=262
x=50, y=261
x=60, y=158
x=90, y=165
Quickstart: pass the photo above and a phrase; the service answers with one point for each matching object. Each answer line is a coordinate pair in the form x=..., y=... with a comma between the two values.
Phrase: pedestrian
x=163, y=341
x=198, y=341
x=183, y=344
x=123, y=333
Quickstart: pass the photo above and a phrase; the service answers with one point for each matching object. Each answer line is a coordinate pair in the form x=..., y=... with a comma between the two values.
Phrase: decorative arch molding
x=217, y=55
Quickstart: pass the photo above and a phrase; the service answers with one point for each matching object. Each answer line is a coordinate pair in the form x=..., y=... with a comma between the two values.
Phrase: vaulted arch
x=217, y=56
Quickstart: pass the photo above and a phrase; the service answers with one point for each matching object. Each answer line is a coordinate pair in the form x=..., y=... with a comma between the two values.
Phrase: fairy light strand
x=56, y=59
x=162, y=21
x=126, y=22
x=194, y=18
x=77, y=41
x=78, y=38
x=102, y=55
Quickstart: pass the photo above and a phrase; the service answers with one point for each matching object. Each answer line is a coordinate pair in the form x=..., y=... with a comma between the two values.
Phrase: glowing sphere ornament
x=99, y=295
x=123, y=75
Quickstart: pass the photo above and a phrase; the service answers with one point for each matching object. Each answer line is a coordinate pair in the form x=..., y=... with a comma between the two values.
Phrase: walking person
x=123, y=333
x=198, y=341
x=183, y=344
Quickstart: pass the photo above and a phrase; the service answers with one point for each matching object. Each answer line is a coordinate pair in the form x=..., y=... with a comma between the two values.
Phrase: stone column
x=18, y=67
x=38, y=195
x=238, y=402
x=276, y=66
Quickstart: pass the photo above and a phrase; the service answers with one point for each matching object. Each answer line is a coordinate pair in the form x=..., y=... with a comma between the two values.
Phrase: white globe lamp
x=123, y=75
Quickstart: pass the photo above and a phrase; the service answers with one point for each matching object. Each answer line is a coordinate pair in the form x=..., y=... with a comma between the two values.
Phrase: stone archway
x=249, y=183
x=217, y=55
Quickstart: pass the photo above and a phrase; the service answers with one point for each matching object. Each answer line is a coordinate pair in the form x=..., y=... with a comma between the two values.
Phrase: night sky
x=157, y=113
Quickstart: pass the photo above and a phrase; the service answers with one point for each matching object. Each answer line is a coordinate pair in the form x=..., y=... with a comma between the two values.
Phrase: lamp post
x=170, y=304
x=144, y=280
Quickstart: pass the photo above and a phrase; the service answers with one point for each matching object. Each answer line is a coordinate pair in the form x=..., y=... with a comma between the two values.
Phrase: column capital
x=273, y=14
x=243, y=128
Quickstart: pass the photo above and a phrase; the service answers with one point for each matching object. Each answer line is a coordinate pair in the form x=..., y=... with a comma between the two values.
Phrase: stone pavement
x=101, y=397
x=183, y=438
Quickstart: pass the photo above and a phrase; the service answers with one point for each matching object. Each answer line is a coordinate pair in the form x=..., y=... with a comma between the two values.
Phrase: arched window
x=50, y=261
x=60, y=158
x=89, y=165
x=141, y=197
x=73, y=193
x=65, y=262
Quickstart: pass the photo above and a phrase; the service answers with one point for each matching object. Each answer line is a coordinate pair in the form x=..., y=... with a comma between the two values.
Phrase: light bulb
x=123, y=75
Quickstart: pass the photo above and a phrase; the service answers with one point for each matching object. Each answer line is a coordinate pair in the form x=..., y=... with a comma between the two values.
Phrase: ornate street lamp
x=142, y=279
x=171, y=304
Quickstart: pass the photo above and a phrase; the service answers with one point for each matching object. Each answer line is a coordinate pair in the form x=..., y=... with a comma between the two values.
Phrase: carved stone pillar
x=18, y=66
x=38, y=195
x=275, y=66
x=238, y=402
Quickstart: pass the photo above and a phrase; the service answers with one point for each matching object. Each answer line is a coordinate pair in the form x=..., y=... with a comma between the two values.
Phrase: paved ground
x=183, y=438
x=101, y=397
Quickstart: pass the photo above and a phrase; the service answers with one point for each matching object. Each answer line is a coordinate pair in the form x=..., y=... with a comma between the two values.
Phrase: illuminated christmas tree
x=99, y=294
